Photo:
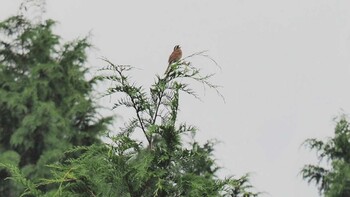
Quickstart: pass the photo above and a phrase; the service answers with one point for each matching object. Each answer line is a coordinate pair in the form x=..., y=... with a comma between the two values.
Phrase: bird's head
x=177, y=47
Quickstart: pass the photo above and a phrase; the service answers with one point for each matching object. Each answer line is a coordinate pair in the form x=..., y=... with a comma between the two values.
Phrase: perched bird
x=174, y=57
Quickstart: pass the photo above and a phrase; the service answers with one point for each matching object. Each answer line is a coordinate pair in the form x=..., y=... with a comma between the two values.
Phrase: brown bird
x=174, y=57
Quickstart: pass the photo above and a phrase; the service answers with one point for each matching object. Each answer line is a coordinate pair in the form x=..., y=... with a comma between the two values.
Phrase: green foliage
x=333, y=181
x=18, y=177
x=159, y=165
x=45, y=102
x=48, y=121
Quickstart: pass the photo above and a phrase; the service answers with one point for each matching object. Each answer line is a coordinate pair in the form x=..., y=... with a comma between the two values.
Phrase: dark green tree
x=46, y=105
x=160, y=165
x=333, y=180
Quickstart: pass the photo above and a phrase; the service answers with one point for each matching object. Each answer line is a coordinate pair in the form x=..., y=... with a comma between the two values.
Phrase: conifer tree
x=160, y=165
x=334, y=180
x=49, y=127
x=46, y=105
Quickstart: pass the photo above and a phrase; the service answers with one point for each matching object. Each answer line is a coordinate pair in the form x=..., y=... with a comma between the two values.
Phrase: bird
x=174, y=57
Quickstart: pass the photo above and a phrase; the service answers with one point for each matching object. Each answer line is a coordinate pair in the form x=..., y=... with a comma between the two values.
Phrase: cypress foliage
x=48, y=121
x=334, y=180
x=160, y=165
x=45, y=101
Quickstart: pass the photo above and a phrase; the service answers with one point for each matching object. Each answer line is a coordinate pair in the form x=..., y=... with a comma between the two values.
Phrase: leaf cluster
x=162, y=167
x=49, y=122
x=45, y=101
x=335, y=180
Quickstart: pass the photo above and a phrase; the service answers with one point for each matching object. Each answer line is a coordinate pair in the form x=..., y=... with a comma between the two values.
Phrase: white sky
x=285, y=71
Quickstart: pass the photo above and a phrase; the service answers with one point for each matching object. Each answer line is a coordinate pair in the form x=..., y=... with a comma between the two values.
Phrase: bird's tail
x=167, y=69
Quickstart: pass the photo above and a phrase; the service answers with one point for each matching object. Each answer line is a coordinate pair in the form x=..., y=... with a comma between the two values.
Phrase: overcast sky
x=285, y=71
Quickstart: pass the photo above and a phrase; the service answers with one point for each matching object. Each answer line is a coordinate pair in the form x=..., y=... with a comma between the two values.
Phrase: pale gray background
x=285, y=71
